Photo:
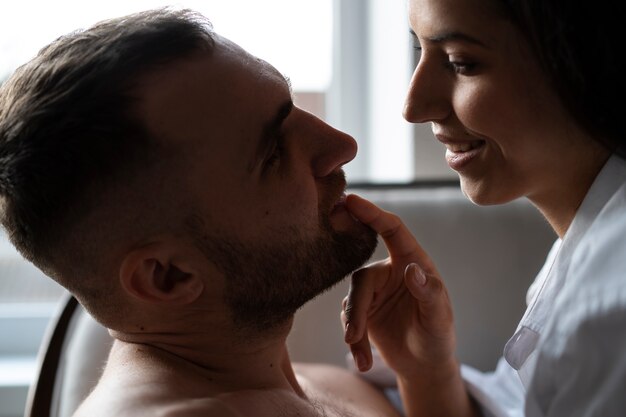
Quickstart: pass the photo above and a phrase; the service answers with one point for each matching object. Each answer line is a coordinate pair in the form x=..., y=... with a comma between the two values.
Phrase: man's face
x=265, y=178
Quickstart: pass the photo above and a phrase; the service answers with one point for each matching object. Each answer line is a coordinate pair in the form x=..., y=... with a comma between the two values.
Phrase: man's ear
x=160, y=272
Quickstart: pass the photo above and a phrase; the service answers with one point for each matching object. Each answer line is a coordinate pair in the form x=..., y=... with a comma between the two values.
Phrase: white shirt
x=568, y=355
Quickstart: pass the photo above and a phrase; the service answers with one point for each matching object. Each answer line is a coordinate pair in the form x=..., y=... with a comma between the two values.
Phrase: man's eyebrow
x=288, y=81
x=269, y=132
x=453, y=37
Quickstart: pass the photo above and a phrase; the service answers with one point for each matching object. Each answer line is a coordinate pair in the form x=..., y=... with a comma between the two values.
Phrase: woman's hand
x=399, y=303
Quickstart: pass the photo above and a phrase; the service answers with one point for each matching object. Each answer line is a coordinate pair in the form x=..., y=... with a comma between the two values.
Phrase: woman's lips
x=459, y=147
x=459, y=160
x=460, y=153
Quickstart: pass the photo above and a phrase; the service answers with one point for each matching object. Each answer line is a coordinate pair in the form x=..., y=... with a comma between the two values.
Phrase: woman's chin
x=483, y=194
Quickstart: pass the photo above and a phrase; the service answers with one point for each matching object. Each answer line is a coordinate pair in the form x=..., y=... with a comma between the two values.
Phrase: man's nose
x=427, y=99
x=331, y=148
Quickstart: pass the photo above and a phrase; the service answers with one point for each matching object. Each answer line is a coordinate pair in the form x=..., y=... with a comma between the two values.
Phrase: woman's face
x=506, y=133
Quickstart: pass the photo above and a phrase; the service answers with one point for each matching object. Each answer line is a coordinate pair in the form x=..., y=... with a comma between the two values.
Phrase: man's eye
x=274, y=156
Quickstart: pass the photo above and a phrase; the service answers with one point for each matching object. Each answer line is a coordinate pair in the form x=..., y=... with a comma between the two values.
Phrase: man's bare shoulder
x=339, y=388
x=205, y=407
x=332, y=377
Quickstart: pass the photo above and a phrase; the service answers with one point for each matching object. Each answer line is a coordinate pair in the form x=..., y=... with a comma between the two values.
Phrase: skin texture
x=184, y=348
x=508, y=136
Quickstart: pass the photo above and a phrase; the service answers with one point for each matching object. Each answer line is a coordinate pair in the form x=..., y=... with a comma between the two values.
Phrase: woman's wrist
x=440, y=373
x=437, y=391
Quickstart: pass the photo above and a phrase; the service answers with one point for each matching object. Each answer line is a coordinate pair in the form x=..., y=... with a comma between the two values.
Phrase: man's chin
x=274, y=283
x=350, y=250
x=357, y=246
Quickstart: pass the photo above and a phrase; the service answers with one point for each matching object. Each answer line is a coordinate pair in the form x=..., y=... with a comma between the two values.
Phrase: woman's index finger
x=399, y=241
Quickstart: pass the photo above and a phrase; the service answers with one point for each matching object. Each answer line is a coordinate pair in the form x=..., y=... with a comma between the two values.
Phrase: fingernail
x=418, y=274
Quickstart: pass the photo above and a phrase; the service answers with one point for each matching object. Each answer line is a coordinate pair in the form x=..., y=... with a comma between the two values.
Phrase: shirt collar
x=553, y=276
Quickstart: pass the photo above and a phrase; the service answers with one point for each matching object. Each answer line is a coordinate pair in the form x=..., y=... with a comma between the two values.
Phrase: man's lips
x=339, y=203
x=334, y=191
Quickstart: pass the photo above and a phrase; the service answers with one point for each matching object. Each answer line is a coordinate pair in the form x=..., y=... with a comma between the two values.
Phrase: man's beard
x=267, y=282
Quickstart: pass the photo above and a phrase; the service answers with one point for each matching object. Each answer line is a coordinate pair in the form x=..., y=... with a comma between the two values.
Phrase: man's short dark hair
x=68, y=131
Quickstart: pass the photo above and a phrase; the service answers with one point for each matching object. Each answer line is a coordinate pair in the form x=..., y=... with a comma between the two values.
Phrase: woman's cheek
x=484, y=109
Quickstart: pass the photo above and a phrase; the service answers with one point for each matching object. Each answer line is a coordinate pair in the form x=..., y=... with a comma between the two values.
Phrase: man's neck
x=227, y=361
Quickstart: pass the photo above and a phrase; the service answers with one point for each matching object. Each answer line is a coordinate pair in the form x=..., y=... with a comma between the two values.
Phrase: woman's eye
x=462, y=67
x=417, y=56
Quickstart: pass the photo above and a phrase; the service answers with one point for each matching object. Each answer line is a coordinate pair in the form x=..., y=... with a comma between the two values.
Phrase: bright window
x=295, y=36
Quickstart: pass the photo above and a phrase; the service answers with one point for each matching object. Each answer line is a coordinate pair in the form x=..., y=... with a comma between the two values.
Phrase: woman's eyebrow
x=453, y=36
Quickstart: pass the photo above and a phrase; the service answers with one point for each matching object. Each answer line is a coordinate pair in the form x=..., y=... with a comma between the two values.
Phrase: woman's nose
x=427, y=99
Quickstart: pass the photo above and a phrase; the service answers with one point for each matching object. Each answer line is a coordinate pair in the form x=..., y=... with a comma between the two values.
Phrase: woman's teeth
x=462, y=147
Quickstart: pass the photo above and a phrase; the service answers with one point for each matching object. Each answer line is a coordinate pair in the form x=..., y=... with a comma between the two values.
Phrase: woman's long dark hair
x=580, y=46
